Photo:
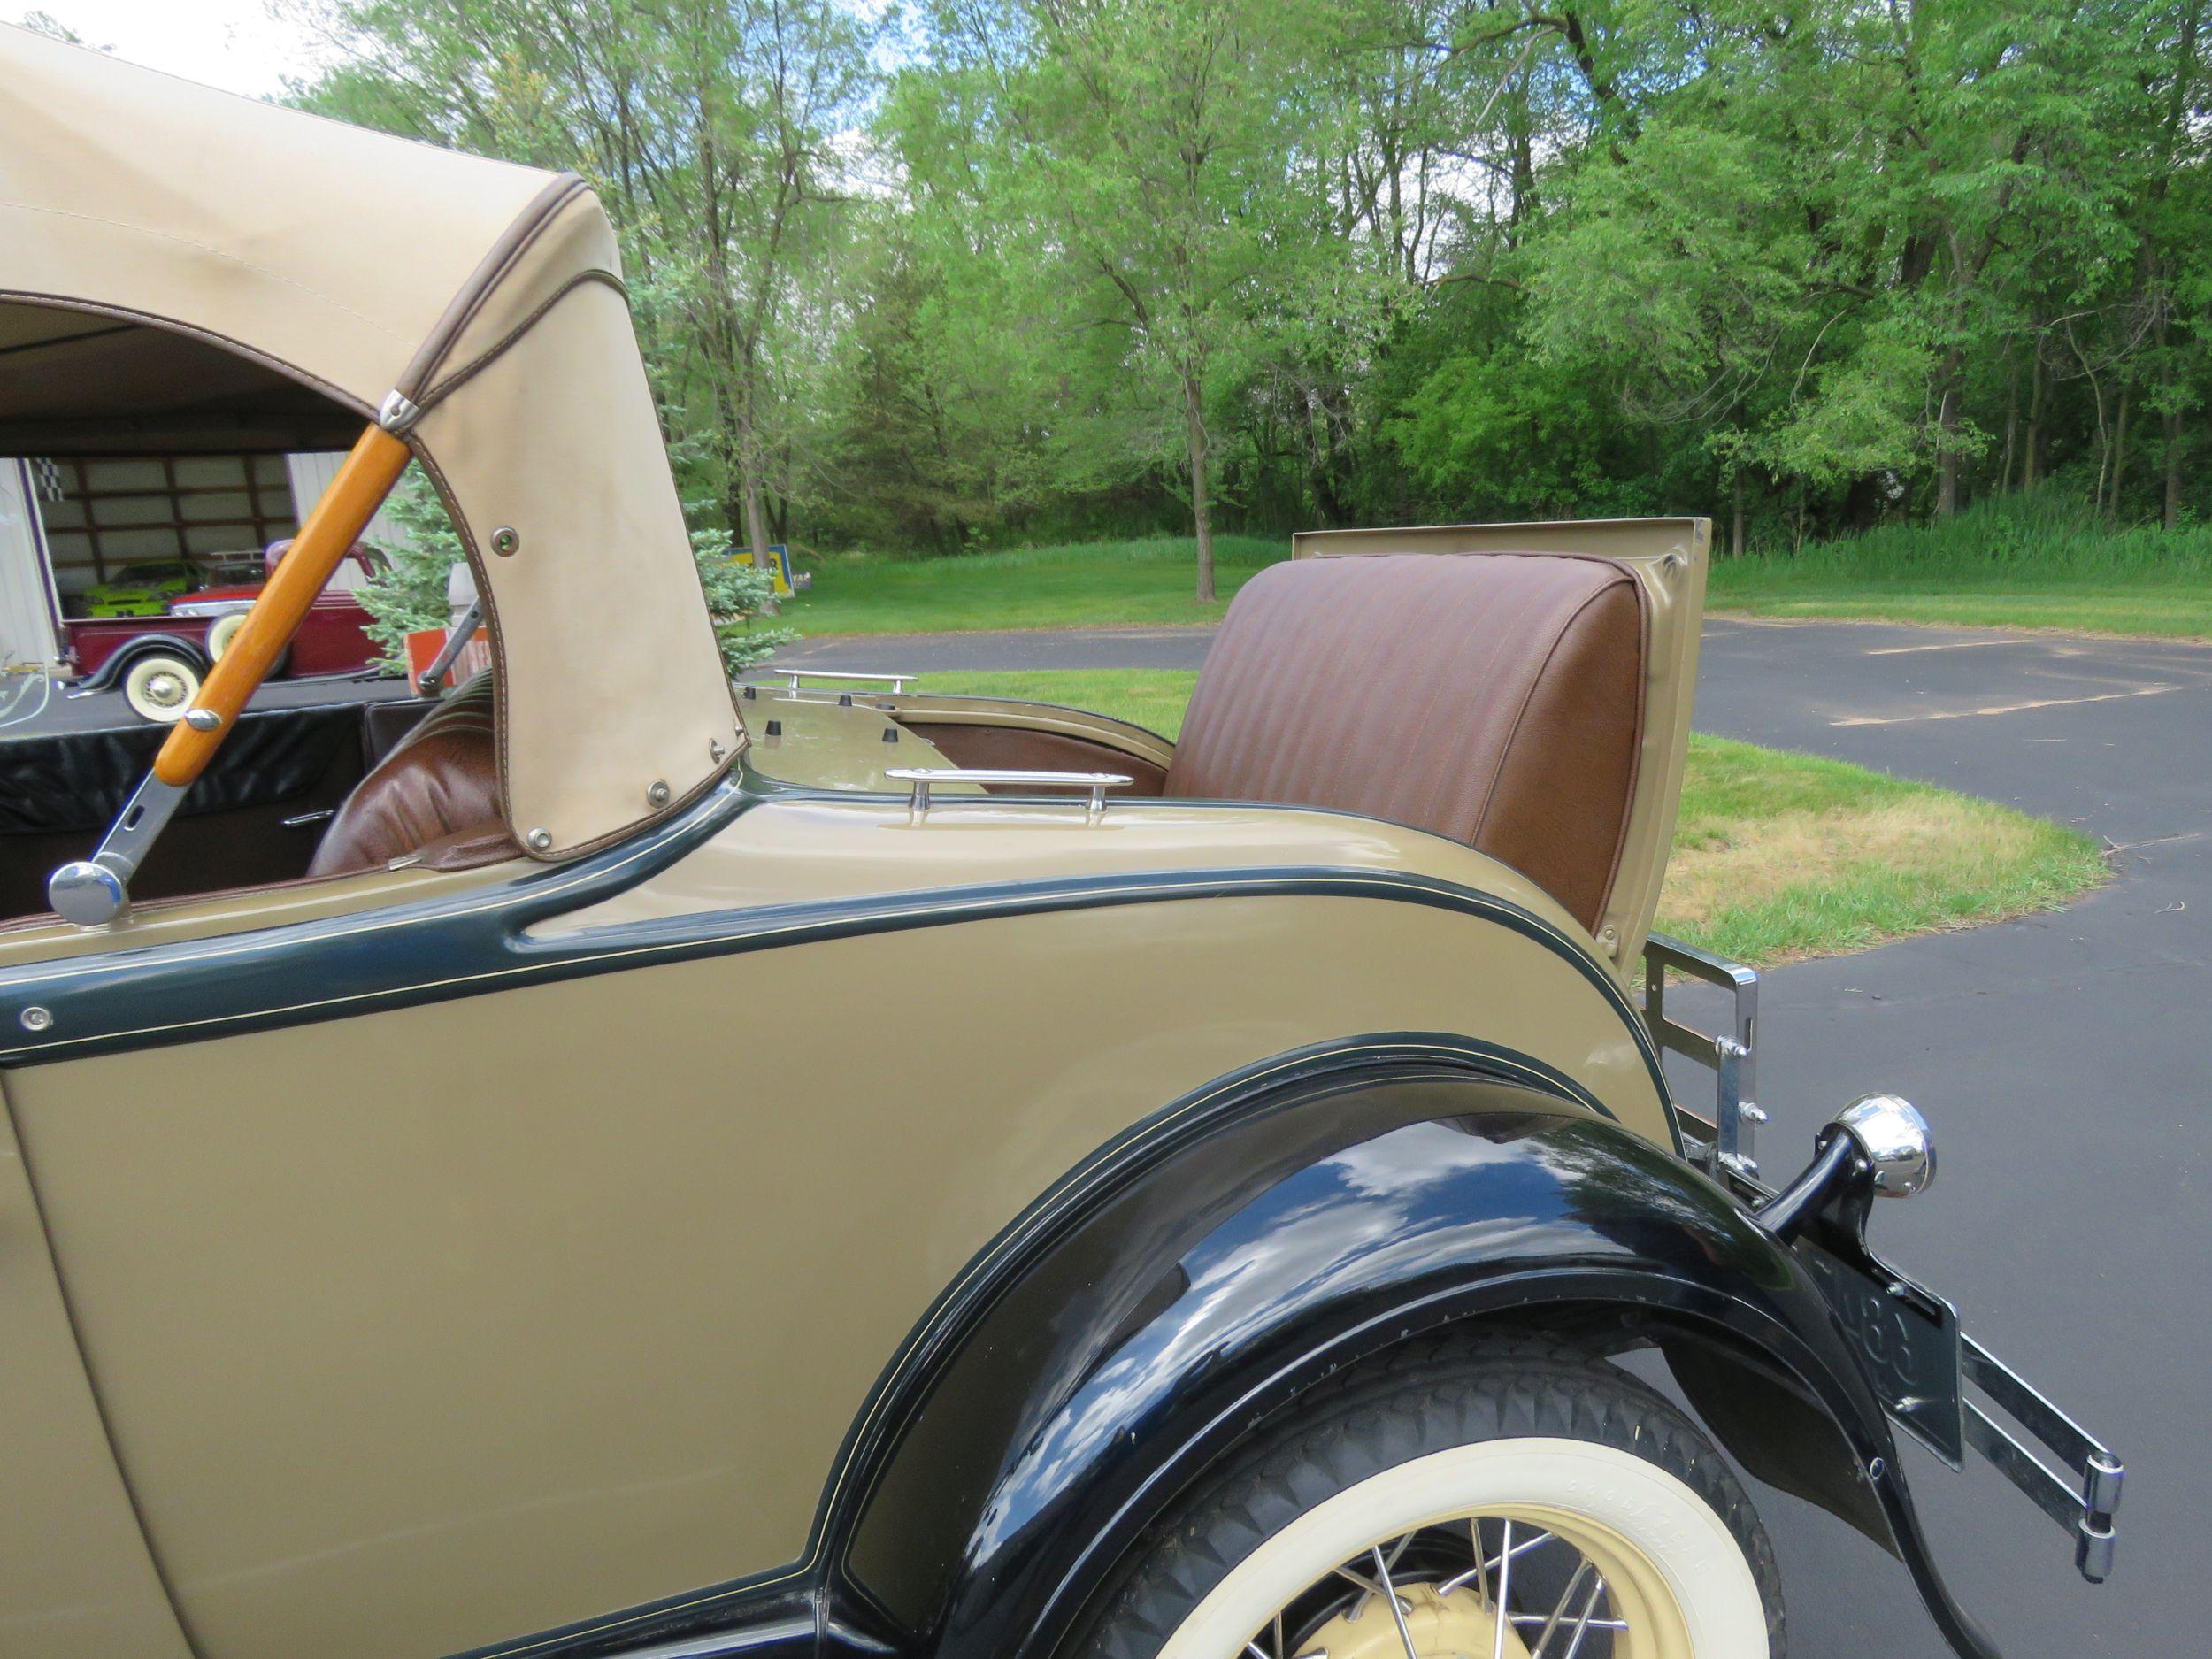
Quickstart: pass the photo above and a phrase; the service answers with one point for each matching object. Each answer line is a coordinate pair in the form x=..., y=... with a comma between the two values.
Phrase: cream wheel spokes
x=1537, y=1583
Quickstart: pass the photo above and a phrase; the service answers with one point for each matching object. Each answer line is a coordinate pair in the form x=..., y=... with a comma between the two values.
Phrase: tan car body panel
x=75, y=1579
x=490, y=1380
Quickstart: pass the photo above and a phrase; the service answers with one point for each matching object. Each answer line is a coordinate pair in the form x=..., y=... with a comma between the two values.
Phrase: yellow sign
x=776, y=561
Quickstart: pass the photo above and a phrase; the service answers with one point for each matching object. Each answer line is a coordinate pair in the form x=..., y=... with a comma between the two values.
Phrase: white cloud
x=234, y=44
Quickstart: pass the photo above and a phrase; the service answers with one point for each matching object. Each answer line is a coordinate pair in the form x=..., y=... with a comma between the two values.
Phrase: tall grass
x=2039, y=538
x=2020, y=562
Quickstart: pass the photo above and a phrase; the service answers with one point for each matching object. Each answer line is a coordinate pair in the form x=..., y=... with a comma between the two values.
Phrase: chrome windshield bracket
x=924, y=778
x=92, y=892
x=1727, y=1142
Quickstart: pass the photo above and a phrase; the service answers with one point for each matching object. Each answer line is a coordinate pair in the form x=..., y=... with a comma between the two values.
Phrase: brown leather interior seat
x=1495, y=699
x=437, y=786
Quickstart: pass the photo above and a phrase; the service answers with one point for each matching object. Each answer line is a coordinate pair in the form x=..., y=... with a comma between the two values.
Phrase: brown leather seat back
x=1494, y=699
x=440, y=783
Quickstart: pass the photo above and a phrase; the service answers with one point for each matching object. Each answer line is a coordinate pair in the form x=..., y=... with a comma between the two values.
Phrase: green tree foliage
x=409, y=594
x=738, y=596
x=1023, y=269
x=719, y=134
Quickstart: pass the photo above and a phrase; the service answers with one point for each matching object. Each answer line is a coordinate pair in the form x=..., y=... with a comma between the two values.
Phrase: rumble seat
x=1492, y=698
x=438, y=787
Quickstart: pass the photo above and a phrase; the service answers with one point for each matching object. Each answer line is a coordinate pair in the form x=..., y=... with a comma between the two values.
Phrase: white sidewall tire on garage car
x=1622, y=1514
x=160, y=687
x=221, y=632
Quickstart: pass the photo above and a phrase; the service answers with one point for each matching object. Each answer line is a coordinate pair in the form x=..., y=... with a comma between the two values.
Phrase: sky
x=235, y=44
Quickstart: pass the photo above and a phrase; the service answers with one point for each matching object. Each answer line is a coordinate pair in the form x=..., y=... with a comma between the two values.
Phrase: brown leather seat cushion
x=1494, y=699
x=440, y=784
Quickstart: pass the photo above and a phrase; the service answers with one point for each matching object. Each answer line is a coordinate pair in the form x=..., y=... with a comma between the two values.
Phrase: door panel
x=76, y=1581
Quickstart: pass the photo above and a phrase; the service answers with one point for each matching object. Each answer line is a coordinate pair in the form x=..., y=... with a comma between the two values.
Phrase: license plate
x=1906, y=1338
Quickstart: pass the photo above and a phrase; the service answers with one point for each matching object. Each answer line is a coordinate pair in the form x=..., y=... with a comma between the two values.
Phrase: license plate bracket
x=1906, y=1337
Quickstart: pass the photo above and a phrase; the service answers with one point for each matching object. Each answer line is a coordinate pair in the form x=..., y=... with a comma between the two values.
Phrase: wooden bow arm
x=362, y=482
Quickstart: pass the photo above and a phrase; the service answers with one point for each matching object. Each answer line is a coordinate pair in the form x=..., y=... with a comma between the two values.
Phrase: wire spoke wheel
x=1538, y=1584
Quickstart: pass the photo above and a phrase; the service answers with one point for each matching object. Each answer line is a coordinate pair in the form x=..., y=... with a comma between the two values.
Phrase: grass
x=2032, y=561
x=1097, y=584
x=2017, y=562
x=1777, y=857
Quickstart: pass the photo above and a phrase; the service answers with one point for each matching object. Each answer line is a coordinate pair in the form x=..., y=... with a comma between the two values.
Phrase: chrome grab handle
x=923, y=777
x=793, y=676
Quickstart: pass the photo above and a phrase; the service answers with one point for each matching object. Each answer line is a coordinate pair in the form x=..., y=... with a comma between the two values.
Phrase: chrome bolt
x=506, y=540
x=656, y=793
x=539, y=839
x=36, y=1019
x=715, y=751
x=203, y=720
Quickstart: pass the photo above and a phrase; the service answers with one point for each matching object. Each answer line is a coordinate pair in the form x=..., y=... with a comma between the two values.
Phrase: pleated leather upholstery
x=440, y=782
x=1494, y=699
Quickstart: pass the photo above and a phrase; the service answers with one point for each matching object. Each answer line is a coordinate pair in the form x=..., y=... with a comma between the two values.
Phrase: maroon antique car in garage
x=159, y=661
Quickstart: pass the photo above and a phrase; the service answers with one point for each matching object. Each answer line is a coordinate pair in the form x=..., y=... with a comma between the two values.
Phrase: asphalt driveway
x=2063, y=1058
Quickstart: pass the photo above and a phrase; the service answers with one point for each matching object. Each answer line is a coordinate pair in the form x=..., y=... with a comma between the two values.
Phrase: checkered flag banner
x=47, y=470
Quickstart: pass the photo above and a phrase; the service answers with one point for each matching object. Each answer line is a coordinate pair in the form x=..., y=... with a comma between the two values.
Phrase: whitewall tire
x=221, y=632
x=160, y=685
x=1597, y=1515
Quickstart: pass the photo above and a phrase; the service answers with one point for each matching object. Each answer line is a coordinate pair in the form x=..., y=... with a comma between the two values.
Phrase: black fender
x=1198, y=1286
x=111, y=672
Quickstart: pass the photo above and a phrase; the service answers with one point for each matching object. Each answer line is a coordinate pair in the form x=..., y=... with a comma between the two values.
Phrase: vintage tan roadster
x=607, y=1163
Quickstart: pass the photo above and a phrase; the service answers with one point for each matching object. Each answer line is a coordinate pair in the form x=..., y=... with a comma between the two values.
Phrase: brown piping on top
x=462, y=309
x=483, y=360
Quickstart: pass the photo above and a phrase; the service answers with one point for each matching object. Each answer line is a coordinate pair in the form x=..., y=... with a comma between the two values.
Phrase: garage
x=129, y=450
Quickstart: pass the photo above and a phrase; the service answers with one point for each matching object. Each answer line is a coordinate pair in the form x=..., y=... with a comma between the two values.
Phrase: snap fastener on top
x=539, y=839
x=36, y=1019
x=656, y=793
x=506, y=540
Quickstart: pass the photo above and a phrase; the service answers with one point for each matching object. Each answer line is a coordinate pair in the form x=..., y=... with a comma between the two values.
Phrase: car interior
x=1491, y=700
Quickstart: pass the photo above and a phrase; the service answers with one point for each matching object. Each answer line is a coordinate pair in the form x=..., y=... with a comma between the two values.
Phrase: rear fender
x=118, y=663
x=1194, y=1296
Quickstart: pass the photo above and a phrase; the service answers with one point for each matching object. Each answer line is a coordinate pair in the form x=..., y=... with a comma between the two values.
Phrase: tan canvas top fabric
x=358, y=265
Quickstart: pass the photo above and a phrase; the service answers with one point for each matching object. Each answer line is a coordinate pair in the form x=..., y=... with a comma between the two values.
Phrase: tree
x=717, y=132
x=1155, y=153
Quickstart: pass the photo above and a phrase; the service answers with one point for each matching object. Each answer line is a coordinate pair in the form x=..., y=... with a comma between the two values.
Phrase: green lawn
x=1097, y=584
x=1777, y=857
x=2011, y=564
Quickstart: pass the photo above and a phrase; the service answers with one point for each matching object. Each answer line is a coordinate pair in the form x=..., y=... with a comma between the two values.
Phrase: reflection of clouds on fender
x=1394, y=1209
